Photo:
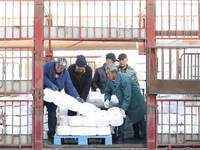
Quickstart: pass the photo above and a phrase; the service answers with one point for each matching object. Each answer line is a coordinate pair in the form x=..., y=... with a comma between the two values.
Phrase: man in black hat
x=81, y=76
x=100, y=77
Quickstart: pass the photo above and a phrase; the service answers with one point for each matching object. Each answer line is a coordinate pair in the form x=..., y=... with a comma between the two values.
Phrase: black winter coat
x=81, y=82
x=100, y=79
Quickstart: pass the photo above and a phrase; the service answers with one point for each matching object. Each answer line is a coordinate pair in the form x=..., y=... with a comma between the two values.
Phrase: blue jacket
x=63, y=79
x=129, y=96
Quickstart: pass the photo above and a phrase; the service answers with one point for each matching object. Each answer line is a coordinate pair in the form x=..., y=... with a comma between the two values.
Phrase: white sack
x=87, y=109
x=92, y=131
x=96, y=98
x=63, y=130
x=76, y=130
x=113, y=110
x=103, y=130
x=64, y=120
x=102, y=120
x=16, y=110
x=16, y=120
x=49, y=95
x=16, y=129
x=75, y=121
x=116, y=119
x=89, y=121
x=114, y=102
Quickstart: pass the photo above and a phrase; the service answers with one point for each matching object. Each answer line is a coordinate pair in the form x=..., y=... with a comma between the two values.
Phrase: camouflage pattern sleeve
x=133, y=74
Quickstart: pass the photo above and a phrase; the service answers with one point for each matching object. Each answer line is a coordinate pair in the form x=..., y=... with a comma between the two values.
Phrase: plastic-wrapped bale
x=64, y=120
x=18, y=129
x=90, y=131
x=49, y=95
x=75, y=120
x=76, y=130
x=113, y=110
x=96, y=98
x=102, y=120
x=16, y=110
x=16, y=120
x=116, y=119
x=103, y=130
x=87, y=109
x=114, y=102
x=63, y=130
x=89, y=121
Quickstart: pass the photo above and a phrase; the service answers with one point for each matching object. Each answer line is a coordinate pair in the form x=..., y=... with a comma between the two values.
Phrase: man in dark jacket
x=56, y=77
x=81, y=76
x=131, y=101
x=100, y=78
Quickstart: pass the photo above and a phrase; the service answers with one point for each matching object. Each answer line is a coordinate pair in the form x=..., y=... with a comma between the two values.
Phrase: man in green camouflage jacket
x=126, y=69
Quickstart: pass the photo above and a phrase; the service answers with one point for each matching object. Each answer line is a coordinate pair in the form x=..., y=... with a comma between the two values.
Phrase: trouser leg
x=136, y=129
x=52, y=121
x=121, y=129
x=142, y=124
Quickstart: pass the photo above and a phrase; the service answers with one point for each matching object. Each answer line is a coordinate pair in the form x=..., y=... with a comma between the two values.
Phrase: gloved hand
x=122, y=112
x=106, y=103
x=54, y=87
x=80, y=100
x=98, y=90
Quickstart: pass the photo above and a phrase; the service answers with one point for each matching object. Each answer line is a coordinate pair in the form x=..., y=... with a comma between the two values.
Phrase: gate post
x=150, y=55
x=38, y=74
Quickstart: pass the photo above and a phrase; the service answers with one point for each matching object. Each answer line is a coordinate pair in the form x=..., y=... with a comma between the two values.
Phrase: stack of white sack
x=97, y=99
x=17, y=115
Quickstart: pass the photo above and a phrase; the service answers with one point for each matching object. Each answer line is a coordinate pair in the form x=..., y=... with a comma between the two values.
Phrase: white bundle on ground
x=63, y=130
x=16, y=120
x=64, y=120
x=45, y=136
x=45, y=118
x=102, y=120
x=75, y=120
x=103, y=130
x=89, y=121
x=18, y=130
x=87, y=109
x=76, y=130
x=90, y=131
x=45, y=127
x=116, y=119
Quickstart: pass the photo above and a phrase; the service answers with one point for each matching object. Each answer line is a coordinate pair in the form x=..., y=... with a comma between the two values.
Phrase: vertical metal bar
x=20, y=72
x=109, y=18
x=27, y=70
x=124, y=18
x=162, y=61
x=184, y=124
x=177, y=64
x=131, y=18
x=65, y=18
x=20, y=115
x=79, y=18
x=5, y=19
x=27, y=18
x=184, y=18
x=13, y=19
x=139, y=18
x=188, y=67
x=192, y=122
x=72, y=19
x=195, y=65
x=94, y=19
x=191, y=66
x=12, y=123
x=184, y=63
x=169, y=121
x=176, y=18
x=57, y=19
x=161, y=121
x=161, y=20
x=28, y=121
x=20, y=20
x=38, y=74
x=169, y=17
x=170, y=64
x=117, y=20
x=177, y=123
x=102, y=18
x=87, y=19
x=156, y=64
x=12, y=70
x=198, y=68
x=191, y=18
x=199, y=18
x=5, y=70
x=50, y=22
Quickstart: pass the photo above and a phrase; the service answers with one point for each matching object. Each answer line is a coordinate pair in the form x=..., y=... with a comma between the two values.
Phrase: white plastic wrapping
x=103, y=130
x=2, y=130
x=16, y=129
x=63, y=130
x=87, y=109
x=89, y=121
x=96, y=98
x=16, y=110
x=49, y=95
x=92, y=131
x=76, y=130
x=116, y=119
x=45, y=127
x=64, y=120
x=45, y=118
x=102, y=120
x=45, y=136
x=75, y=120
x=15, y=120
x=113, y=110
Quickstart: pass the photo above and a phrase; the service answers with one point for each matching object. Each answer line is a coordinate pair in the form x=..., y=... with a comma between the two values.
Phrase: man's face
x=80, y=69
x=58, y=68
x=110, y=74
x=109, y=61
x=123, y=62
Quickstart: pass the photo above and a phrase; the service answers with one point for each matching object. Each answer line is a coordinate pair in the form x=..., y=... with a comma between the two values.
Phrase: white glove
x=98, y=90
x=106, y=103
x=123, y=113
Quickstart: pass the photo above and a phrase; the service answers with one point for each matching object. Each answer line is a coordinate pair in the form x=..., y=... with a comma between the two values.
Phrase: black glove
x=54, y=87
x=80, y=100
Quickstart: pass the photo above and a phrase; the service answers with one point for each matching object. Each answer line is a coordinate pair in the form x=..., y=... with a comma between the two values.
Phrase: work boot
x=120, y=140
x=137, y=136
x=51, y=140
